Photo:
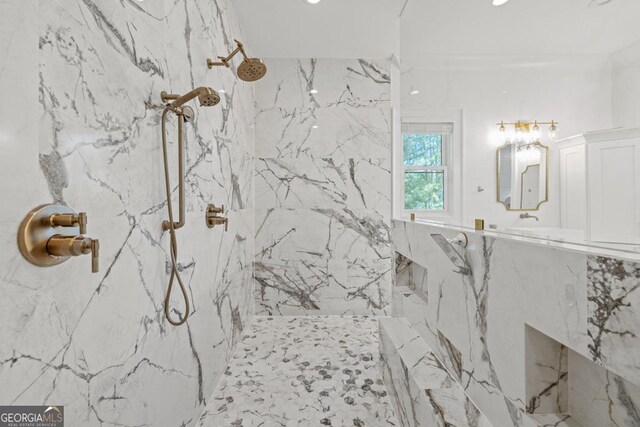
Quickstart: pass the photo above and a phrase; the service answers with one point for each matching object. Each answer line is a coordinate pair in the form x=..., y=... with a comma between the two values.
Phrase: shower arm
x=224, y=60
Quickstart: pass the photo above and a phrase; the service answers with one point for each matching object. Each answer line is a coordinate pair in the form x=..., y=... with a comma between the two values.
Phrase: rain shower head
x=250, y=70
x=207, y=97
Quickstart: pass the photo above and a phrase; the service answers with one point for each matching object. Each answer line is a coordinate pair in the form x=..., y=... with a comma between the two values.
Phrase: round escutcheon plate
x=36, y=230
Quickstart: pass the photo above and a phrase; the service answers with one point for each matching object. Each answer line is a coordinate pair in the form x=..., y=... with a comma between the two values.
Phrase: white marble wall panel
x=480, y=319
x=320, y=234
x=86, y=133
x=323, y=188
x=355, y=83
x=547, y=373
x=355, y=183
x=599, y=397
x=422, y=391
x=338, y=131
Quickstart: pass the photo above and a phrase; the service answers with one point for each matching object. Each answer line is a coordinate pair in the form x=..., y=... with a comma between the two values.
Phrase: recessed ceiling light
x=313, y=91
x=499, y=2
x=414, y=92
x=315, y=126
x=313, y=1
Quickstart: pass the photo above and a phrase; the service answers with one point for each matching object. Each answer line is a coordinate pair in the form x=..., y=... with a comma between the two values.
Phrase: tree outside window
x=425, y=166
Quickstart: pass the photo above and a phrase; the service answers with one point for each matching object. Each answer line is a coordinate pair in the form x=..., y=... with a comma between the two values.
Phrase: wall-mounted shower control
x=70, y=220
x=51, y=234
x=212, y=219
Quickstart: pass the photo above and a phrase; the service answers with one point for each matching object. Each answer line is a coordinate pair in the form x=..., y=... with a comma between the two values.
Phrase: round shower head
x=251, y=69
x=208, y=98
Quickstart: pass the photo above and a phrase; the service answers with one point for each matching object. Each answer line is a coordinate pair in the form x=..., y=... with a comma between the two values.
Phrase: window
x=426, y=151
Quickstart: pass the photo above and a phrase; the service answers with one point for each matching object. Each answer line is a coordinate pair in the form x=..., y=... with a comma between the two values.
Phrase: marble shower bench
x=422, y=391
x=534, y=335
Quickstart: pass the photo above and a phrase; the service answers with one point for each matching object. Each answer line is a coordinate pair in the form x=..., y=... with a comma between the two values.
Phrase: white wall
x=626, y=87
x=323, y=188
x=574, y=90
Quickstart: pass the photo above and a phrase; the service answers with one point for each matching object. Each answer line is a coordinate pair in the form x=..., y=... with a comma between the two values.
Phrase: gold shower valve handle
x=70, y=220
x=215, y=210
x=95, y=255
x=212, y=219
x=68, y=246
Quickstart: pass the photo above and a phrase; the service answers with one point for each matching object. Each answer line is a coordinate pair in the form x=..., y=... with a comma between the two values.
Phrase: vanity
x=533, y=333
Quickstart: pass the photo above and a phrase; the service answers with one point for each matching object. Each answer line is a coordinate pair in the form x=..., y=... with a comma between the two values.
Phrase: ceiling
x=329, y=29
x=519, y=27
x=372, y=29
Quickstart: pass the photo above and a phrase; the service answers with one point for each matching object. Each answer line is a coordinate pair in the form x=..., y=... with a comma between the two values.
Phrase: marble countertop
x=589, y=249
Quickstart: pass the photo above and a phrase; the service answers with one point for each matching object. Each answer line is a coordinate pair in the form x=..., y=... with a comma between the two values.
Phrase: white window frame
x=452, y=166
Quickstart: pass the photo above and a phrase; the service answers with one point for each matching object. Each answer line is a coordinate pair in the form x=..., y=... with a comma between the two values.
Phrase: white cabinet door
x=573, y=187
x=614, y=191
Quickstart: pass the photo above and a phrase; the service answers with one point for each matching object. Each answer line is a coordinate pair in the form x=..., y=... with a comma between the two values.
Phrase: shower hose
x=173, y=249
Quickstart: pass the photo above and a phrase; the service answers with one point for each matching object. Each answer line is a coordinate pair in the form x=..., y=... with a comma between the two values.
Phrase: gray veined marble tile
x=547, y=374
x=341, y=132
x=355, y=83
x=613, y=301
x=314, y=234
x=98, y=343
x=422, y=391
x=325, y=183
x=322, y=287
x=289, y=288
x=598, y=397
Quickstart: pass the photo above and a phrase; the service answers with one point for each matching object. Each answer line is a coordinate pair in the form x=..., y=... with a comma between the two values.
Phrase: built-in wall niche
x=411, y=275
x=565, y=389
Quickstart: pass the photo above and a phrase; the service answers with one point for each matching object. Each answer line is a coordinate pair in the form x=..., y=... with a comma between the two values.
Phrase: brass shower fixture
x=51, y=234
x=174, y=103
x=250, y=70
x=207, y=97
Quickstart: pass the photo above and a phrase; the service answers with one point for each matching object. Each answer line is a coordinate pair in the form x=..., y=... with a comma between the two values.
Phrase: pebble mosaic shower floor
x=303, y=371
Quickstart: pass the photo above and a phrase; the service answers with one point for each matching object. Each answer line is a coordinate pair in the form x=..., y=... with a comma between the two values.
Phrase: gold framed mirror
x=522, y=174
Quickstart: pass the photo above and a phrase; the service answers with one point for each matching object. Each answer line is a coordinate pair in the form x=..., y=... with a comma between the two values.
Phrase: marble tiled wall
x=531, y=329
x=81, y=126
x=323, y=188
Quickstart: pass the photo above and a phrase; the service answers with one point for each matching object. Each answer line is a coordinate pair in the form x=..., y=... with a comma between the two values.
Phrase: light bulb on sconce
x=553, y=130
x=525, y=131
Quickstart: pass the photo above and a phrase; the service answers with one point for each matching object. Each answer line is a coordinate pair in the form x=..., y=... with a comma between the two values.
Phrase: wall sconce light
x=525, y=132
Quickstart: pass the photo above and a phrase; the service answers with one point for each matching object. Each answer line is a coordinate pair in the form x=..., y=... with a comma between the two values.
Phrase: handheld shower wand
x=208, y=98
